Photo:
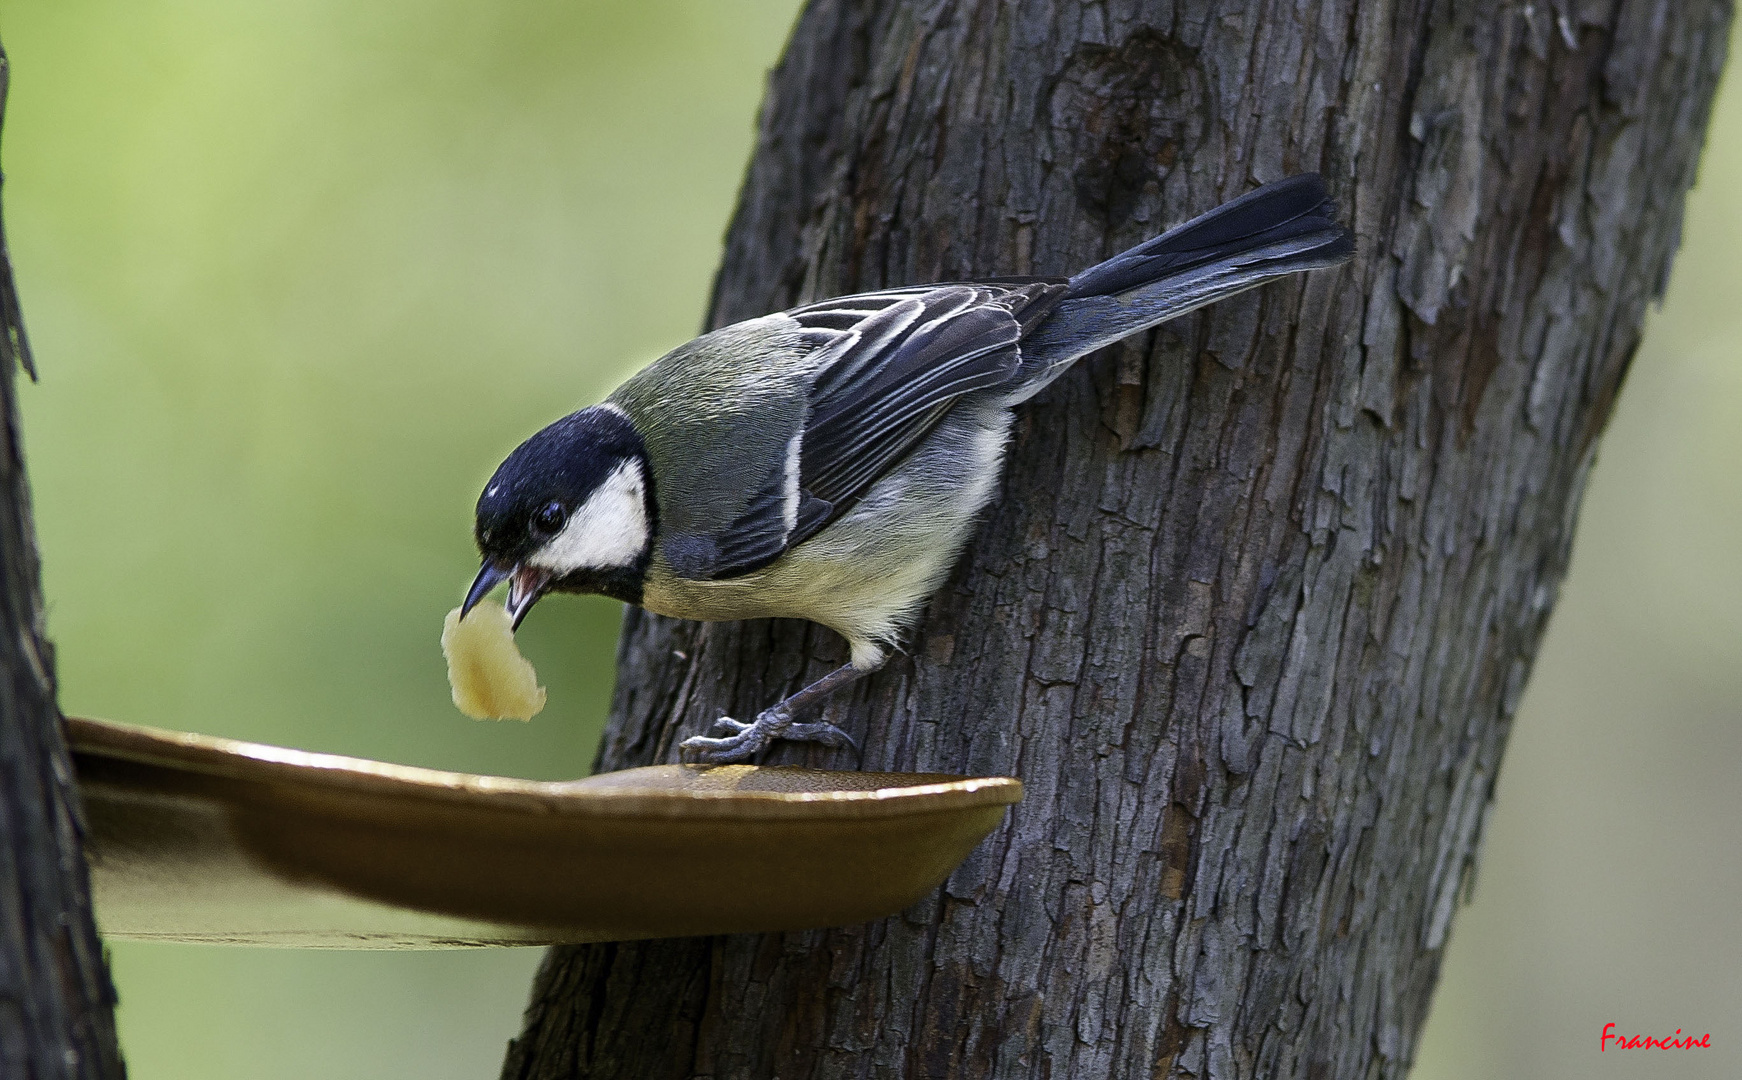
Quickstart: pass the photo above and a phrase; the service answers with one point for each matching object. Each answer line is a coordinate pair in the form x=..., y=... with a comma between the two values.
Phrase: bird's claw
x=827, y=734
x=739, y=741
x=726, y=726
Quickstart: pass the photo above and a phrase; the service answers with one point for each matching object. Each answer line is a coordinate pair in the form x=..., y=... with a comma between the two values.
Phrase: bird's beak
x=489, y=576
x=525, y=585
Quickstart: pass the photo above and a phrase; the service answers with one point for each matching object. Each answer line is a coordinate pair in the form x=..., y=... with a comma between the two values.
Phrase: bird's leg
x=776, y=722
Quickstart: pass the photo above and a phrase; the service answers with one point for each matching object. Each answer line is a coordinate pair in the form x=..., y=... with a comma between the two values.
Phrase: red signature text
x=1678, y=1041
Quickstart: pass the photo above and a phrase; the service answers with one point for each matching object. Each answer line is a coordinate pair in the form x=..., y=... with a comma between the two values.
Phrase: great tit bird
x=828, y=462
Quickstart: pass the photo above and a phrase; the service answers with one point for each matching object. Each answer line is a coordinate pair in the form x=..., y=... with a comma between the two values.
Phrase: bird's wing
x=823, y=400
x=906, y=358
x=901, y=358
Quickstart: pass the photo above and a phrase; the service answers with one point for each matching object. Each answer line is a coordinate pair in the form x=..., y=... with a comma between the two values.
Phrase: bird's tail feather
x=1282, y=228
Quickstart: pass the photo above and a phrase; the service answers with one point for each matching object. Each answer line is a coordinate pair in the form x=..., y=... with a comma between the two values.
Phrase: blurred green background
x=299, y=274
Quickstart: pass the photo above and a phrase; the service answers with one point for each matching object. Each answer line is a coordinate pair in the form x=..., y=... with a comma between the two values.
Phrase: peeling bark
x=56, y=1002
x=1254, y=613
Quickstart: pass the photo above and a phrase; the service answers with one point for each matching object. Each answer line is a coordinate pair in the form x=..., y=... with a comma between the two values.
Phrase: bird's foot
x=734, y=740
x=726, y=726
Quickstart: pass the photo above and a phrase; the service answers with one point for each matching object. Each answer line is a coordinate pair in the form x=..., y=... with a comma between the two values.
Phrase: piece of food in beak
x=491, y=680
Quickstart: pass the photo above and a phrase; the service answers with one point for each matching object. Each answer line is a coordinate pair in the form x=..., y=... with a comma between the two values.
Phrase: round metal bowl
x=196, y=838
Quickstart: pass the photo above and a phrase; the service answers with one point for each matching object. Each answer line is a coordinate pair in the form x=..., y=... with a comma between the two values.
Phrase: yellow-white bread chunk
x=491, y=680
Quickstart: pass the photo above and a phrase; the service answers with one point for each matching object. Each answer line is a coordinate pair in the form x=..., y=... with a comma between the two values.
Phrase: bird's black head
x=570, y=510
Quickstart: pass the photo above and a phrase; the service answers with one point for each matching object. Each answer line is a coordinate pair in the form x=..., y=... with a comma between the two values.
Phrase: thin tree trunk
x=56, y=1002
x=1253, y=615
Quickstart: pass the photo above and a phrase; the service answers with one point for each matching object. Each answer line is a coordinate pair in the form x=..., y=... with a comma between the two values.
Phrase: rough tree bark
x=57, y=1006
x=1253, y=615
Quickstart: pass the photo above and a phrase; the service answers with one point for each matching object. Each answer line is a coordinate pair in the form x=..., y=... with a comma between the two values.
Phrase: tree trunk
x=57, y=1006
x=1254, y=612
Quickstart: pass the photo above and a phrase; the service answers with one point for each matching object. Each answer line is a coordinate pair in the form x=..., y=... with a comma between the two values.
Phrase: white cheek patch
x=607, y=531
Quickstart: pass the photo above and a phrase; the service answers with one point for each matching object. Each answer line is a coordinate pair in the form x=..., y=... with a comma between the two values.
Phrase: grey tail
x=1282, y=228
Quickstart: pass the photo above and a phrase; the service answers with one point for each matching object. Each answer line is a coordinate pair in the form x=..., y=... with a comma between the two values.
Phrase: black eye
x=548, y=521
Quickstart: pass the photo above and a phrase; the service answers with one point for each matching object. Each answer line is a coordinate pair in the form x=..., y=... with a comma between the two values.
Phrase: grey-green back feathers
x=765, y=432
x=720, y=417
